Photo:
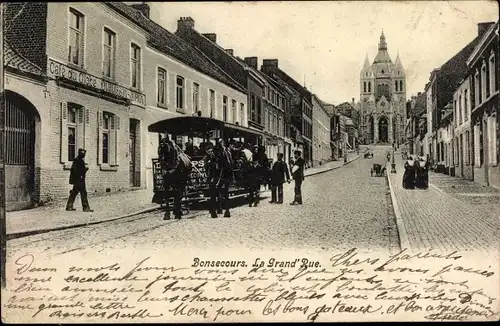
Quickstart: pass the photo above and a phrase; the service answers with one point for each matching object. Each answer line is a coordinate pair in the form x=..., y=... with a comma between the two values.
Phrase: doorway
x=20, y=152
x=134, y=154
x=383, y=130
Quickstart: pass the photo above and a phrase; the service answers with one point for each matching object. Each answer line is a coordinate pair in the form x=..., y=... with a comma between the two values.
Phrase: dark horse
x=219, y=168
x=176, y=168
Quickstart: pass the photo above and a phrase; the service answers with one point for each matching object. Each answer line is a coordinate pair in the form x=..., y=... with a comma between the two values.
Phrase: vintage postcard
x=305, y=161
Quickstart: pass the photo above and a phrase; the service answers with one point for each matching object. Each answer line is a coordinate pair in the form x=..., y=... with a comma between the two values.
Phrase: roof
x=168, y=43
x=185, y=125
x=13, y=59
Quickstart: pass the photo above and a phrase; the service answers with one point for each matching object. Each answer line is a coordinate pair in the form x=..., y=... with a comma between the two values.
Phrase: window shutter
x=99, y=137
x=80, y=134
x=116, y=140
x=86, y=131
x=477, y=159
x=64, y=132
x=493, y=140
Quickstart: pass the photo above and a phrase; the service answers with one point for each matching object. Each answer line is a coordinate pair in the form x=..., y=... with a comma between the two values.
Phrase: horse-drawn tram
x=200, y=135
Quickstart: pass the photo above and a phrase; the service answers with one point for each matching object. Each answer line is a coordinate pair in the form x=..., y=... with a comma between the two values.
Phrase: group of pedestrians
x=280, y=173
x=416, y=173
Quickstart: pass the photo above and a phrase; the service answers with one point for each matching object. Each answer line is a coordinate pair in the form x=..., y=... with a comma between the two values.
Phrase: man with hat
x=298, y=176
x=77, y=179
x=278, y=173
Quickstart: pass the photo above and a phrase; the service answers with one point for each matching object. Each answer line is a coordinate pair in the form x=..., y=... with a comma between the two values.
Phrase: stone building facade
x=383, y=98
x=110, y=72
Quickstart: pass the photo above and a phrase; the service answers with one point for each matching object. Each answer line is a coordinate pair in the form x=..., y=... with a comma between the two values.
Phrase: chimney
x=185, y=23
x=252, y=62
x=211, y=36
x=483, y=27
x=142, y=7
x=270, y=62
x=230, y=52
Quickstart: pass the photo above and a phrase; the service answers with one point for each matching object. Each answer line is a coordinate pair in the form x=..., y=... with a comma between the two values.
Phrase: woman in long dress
x=422, y=173
x=409, y=174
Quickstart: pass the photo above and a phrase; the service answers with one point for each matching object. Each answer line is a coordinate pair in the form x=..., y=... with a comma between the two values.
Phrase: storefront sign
x=57, y=69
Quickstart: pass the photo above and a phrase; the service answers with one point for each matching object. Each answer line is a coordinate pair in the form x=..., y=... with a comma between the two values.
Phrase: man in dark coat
x=278, y=174
x=77, y=179
x=298, y=177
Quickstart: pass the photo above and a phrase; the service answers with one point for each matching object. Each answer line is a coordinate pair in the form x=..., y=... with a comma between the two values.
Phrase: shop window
x=74, y=119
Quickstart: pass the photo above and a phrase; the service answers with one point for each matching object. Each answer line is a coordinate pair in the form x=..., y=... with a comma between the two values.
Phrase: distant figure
x=410, y=173
x=422, y=173
x=298, y=177
x=77, y=179
x=278, y=174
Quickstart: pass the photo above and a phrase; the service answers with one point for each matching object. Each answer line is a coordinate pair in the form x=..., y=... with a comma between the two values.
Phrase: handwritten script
x=345, y=286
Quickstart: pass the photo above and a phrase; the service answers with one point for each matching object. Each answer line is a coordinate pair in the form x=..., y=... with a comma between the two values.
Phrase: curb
x=319, y=172
x=22, y=234
x=403, y=235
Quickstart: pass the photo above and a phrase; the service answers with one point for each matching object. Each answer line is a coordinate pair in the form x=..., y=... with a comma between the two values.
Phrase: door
x=132, y=147
x=20, y=153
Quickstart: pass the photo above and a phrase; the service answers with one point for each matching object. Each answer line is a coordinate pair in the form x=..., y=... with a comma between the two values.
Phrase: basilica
x=382, y=99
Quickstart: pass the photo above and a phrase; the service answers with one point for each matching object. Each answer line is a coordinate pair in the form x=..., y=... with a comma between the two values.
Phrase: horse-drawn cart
x=205, y=130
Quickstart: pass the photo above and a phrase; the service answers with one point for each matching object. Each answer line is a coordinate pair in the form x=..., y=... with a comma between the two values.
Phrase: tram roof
x=189, y=125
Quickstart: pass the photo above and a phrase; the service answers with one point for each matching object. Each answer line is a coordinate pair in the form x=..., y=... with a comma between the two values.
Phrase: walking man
x=278, y=174
x=77, y=179
x=298, y=177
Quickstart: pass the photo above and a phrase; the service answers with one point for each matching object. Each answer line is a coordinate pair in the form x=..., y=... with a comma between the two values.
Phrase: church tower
x=383, y=98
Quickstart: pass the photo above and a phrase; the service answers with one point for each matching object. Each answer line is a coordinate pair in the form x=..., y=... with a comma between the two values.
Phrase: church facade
x=382, y=99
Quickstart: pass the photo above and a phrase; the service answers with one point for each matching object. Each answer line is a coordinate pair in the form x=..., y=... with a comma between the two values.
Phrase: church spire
x=382, y=45
x=398, y=61
x=367, y=62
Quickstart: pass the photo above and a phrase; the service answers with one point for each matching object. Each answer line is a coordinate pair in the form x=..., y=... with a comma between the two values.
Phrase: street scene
x=159, y=129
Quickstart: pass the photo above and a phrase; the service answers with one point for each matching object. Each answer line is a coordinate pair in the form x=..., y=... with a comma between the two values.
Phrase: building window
x=492, y=73
x=396, y=85
x=135, y=65
x=72, y=134
x=467, y=148
x=460, y=109
x=179, y=92
x=466, y=104
x=477, y=99
x=109, y=53
x=242, y=112
x=253, y=108
x=400, y=85
x=196, y=97
x=162, y=86
x=76, y=36
x=109, y=124
x=369, y=87
x=364, y=87
x=212, y=103
x=233, y=110
x=105, y=138
x=483, y=83
x=224, y=108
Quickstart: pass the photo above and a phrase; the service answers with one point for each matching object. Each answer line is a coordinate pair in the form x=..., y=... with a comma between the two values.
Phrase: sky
x=325, y=42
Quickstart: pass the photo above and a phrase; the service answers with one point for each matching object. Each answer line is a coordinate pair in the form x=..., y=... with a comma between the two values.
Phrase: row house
x=445, y=136
x=483, y=74
x=276, y=117
x=417, y=124
x=352, y=124
x=110, y=72
x=300, y=108
x=321, y=132
x=245, y=75
x=335, y=143
x=462, y=140
x=442, y=84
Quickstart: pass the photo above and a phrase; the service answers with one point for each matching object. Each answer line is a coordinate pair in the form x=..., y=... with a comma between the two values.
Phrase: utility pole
x=3, y=222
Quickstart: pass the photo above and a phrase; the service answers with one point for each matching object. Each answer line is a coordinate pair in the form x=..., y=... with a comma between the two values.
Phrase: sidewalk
x=106, y=208
x=437, y=219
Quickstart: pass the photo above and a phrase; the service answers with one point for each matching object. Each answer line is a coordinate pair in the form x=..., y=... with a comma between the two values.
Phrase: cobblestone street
x=343, y=208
